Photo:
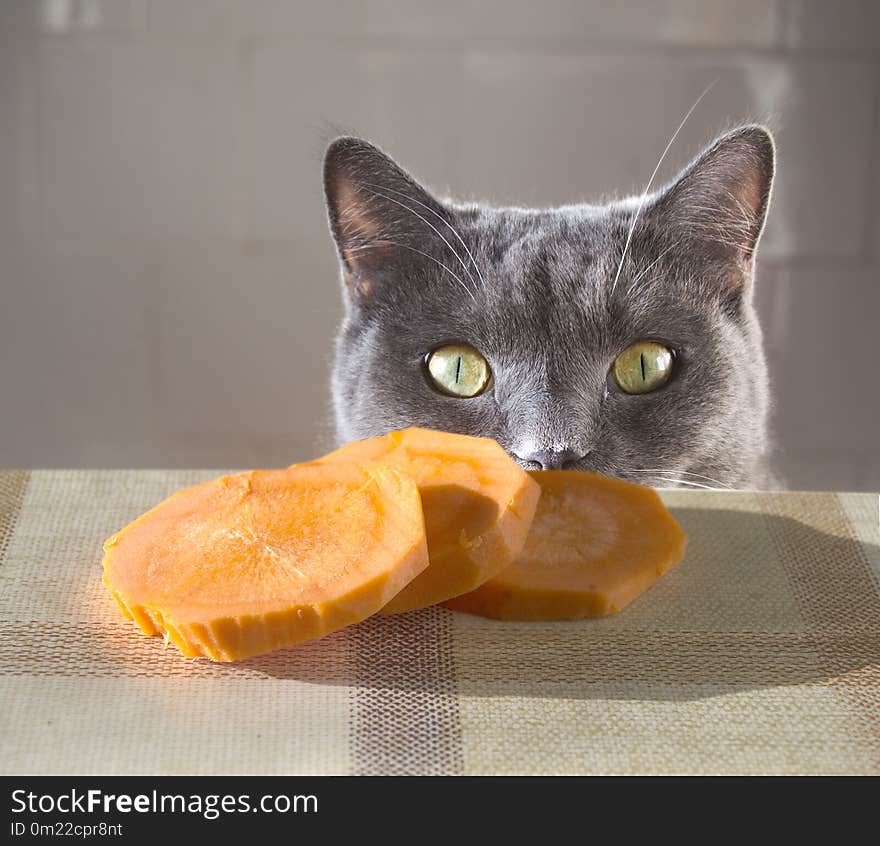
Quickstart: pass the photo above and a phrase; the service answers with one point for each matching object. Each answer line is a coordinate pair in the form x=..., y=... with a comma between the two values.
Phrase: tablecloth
x=759, y=653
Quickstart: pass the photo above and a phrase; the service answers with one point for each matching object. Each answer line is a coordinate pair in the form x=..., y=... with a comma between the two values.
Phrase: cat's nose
x=552, y=459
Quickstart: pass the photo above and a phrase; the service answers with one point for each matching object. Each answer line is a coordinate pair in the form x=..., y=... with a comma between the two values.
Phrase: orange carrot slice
x=249, y=563
x=478, y=504
x=596, y=543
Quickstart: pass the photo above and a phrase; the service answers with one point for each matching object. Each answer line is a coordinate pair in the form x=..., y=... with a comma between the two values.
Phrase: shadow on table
x=759, y=601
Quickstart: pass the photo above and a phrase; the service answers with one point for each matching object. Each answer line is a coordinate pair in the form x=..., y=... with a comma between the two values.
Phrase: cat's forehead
x=549, y=278
x=508, y=232
x=527, y=254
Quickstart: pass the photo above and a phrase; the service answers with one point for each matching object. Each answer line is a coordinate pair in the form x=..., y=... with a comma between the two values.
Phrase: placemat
x=759, y=653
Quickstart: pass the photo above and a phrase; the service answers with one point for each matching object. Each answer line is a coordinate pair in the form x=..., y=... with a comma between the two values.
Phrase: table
x=759, y=653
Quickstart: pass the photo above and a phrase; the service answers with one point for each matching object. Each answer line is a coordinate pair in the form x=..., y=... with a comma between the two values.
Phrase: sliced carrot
x=478, y=506
x=260, y=560
x=596, y=543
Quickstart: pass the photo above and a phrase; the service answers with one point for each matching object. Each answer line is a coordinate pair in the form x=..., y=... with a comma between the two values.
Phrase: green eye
x=458, y=370
x=642, y=367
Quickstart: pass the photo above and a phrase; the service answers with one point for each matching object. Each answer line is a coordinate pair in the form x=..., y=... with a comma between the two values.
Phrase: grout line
x=571, y=48
x=247, y=112
x=563, y=45
x=40, y=147
x=456, y=140
x=153, y=285
x=783, y=16
x=871, y=222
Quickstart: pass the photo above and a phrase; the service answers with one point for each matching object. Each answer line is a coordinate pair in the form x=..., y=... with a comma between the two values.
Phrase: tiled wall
x=169, y=291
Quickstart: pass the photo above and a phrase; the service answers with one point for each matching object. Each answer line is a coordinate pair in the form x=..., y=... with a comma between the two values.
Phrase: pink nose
x=552, y=459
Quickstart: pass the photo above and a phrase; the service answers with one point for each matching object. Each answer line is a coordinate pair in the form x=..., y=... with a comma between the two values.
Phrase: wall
x=169, y=290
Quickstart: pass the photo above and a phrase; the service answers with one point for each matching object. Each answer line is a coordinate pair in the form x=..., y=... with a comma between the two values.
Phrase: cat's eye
x=643, y=367
x=458, y=370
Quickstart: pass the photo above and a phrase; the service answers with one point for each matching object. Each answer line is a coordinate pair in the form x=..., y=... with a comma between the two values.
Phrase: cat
x=618, y=338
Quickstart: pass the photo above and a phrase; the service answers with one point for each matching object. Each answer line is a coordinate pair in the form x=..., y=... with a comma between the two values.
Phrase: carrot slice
x=249, y=563
x=596, y=543
x=478, y=504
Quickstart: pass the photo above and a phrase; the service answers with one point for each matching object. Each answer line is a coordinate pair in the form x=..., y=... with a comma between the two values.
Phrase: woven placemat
x=759, y=653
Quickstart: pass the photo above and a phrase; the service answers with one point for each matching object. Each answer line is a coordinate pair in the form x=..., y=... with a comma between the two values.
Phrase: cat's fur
x=534, y=291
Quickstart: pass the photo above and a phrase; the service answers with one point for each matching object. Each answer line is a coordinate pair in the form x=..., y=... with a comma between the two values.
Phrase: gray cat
x=618, y=338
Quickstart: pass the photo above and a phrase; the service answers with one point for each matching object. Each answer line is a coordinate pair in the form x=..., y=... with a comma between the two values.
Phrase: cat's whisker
x=633, y=286
x=665, y=480
x=635, y=280
x=674, y=472
x=439, y=217
x=380, y=244
x=651, y=182
x=739, y=244
x=656, y=471
x=352, y=227
x=429, y=224
x=707, y=222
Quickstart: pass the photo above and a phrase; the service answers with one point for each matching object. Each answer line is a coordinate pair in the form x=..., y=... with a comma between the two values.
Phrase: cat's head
x=569, y=336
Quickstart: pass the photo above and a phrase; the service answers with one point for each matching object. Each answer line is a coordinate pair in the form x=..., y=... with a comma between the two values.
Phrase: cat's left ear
x=720, y=200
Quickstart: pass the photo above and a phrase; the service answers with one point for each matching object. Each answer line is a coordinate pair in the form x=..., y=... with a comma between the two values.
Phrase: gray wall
x=169, y=291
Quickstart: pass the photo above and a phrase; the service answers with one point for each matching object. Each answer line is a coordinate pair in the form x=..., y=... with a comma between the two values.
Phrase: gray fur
x=537, y=302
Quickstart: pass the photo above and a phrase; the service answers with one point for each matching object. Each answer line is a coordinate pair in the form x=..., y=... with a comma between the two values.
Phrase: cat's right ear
x=376, y=212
